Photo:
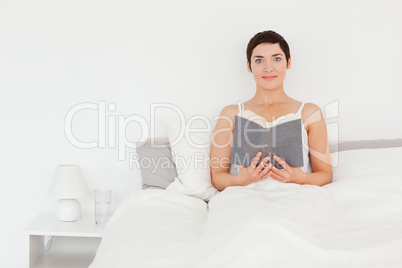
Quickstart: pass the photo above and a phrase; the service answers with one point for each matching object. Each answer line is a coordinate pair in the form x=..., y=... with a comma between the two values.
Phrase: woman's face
x=268, y=65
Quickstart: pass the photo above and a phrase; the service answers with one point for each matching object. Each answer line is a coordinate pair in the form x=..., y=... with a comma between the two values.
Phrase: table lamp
x=67, y=185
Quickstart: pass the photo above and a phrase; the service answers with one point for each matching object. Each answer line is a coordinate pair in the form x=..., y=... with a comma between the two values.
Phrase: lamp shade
x=68, y=183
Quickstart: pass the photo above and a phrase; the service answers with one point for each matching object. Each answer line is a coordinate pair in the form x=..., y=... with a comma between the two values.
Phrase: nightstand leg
x=36, y=249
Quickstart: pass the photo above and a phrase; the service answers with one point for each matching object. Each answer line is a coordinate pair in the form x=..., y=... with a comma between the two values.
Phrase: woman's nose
x=268, y=67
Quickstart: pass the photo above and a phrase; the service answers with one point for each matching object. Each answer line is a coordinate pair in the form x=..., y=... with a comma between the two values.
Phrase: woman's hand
x=288, y=174
x=254, y=173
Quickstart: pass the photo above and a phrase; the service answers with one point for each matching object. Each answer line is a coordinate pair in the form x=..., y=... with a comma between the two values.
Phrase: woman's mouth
x=269, y=78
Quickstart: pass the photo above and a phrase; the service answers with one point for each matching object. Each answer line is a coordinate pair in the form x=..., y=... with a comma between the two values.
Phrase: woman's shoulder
x=227, y=116
x=311, y=113
x=310, y=107
x=230, y=110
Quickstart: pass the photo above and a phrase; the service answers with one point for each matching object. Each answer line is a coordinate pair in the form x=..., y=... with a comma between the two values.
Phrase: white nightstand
x=52, y=243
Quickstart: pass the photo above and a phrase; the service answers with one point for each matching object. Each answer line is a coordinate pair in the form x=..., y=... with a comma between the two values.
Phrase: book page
x=284, y=140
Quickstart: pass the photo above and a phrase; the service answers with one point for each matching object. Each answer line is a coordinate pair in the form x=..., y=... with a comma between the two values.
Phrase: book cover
x=284, y=140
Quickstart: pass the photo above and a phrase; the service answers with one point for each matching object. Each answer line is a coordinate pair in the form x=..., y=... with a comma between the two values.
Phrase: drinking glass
x=102, y=206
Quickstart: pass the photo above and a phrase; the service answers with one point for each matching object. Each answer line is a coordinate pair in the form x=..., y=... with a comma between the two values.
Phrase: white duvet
x=353, y=222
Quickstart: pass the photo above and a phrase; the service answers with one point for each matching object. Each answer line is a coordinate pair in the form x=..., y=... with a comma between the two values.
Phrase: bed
x=178, y=220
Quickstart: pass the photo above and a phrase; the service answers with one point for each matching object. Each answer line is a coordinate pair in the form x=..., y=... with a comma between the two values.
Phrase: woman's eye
x=258, y=60
x=277, y=59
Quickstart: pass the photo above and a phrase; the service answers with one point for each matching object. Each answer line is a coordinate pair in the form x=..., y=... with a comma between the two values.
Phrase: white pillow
x=355, y=163
x=190, y=142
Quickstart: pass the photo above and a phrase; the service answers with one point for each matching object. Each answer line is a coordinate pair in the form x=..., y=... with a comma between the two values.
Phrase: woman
x=268, y=58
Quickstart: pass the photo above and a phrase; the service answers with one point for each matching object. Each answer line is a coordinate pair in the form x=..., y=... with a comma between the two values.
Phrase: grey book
x=284, y=140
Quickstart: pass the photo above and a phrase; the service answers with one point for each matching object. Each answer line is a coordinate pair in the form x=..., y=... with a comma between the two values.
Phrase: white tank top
x=234, y=169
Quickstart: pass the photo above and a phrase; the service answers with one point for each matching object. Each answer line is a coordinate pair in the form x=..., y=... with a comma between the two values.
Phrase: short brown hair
x=269, y=37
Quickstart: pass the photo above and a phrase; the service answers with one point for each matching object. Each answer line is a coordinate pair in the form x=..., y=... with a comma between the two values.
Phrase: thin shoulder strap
x=301, y=108
x=241, y=107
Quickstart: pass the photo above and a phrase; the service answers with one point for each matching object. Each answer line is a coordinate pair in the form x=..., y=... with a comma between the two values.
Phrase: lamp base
x=68, y=210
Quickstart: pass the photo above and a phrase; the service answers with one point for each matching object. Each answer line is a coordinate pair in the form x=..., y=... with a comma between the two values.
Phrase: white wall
x=57, y=54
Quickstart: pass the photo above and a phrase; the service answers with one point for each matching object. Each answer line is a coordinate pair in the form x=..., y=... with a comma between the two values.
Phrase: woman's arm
x=320, y=157
x=221, y=150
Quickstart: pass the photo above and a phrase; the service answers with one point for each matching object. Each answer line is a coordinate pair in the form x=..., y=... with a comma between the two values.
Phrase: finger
x=266, y=169
x=269, y=174
x=277, y=177
x=268, y=166
x=281, y=173
x=281, y=162
x=255, y=159
x=263, y=163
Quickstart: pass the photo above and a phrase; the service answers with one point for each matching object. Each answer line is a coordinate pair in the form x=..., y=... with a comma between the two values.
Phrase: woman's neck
x=265, y=96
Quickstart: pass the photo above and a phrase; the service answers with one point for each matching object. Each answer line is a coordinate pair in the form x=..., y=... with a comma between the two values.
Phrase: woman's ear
x=289, y=63
x=248, y=67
